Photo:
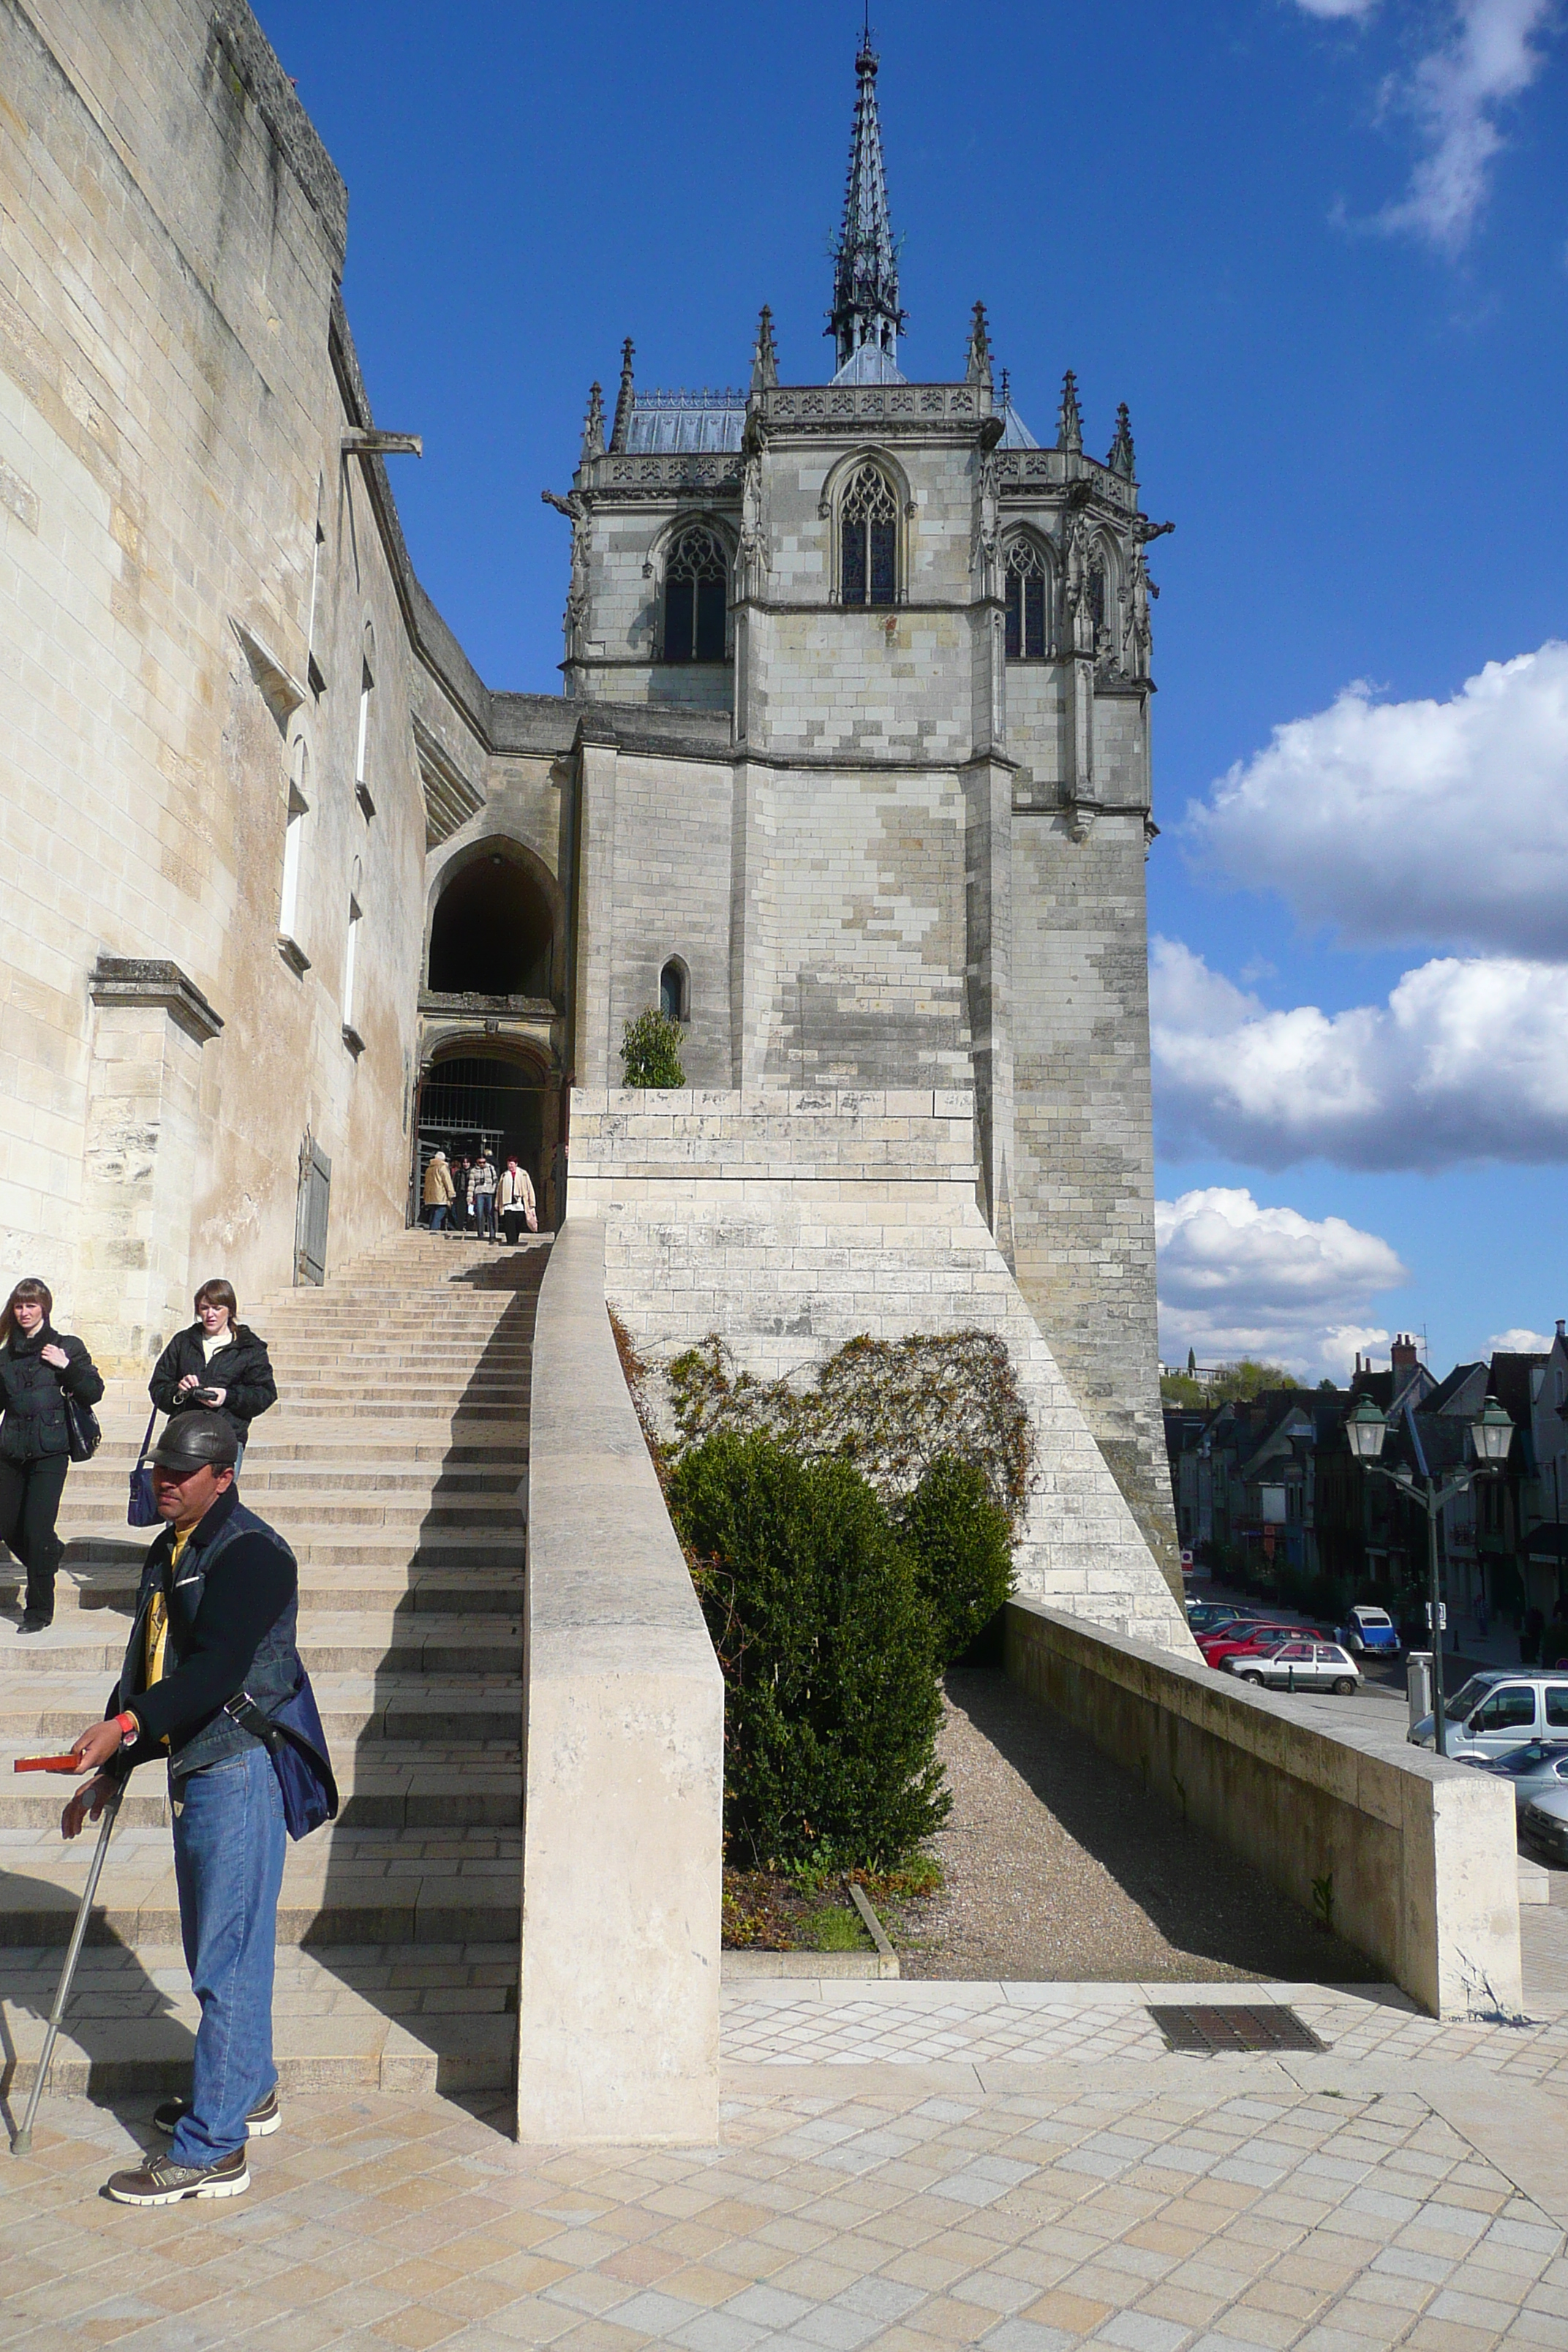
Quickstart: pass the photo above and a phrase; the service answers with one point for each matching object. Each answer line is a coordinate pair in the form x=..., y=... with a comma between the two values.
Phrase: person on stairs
x=216, y=1617
x=482, y=1195
x=216, y=1362
x=40, y=1368
x=439, y=1189
x=515, y=1203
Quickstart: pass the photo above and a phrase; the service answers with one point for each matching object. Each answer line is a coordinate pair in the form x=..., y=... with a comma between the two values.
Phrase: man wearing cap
x=215, y=1618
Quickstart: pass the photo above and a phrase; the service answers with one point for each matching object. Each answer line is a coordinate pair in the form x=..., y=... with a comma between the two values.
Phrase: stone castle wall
x=180, y=645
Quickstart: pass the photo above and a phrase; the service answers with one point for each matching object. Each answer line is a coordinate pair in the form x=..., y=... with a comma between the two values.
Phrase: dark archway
x=493, y=931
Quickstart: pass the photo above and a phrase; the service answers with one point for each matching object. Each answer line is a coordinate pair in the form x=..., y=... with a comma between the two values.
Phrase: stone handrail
x=623, y=1759
x=1415, y=1855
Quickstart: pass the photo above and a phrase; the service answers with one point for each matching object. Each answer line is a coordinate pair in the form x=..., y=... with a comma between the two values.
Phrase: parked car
x=1254, y=1638
x=1372, y=1632
x=1499, y=1710
x=1545, y=1823
x=1537, y=1769
x=1299, y=1665
x=1208, y=1616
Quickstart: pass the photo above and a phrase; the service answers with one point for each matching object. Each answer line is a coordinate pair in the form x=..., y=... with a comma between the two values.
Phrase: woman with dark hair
x=215, y=1361
x=40, y=1368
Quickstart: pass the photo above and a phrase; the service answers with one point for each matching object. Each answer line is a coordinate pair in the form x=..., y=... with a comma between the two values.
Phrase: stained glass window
x=1026, y=602
x=869, y=520
x=696, y=593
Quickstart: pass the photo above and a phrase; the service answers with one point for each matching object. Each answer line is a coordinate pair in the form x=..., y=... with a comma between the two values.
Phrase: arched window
x=1026, y=602
x=696, y=593
x=675, y=991
x=868, y=539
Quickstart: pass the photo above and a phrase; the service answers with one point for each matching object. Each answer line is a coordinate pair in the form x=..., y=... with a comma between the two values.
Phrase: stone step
x=321, y=1507
x=331, y=1642
x=364, y=2017
x=388, y=1784
x=345, y=1887
x=435, y=1548
x=52, y=1708
x=112, y=1584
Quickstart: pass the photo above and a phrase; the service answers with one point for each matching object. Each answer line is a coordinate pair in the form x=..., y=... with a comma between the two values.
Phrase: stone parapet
x=792, y=1220
x=1411, y=1857
x=623, y=1759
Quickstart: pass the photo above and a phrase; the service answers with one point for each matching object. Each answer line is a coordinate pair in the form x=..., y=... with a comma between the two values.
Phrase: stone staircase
x=393, y=1464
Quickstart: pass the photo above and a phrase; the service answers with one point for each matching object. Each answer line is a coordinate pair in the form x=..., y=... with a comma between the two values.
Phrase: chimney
x=1560, y=1331
x=1404, y=1356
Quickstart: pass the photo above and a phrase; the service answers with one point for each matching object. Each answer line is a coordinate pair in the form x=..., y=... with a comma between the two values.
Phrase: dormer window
x=696, y=597
x=1026, y=602
x=868, y=540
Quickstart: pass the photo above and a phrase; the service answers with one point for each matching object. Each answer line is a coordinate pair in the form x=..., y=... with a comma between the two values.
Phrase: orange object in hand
x=46, y=1764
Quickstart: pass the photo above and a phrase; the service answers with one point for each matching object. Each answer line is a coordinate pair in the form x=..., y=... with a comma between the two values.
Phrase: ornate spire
x=865, y=260
x=594, y=426
x=979, y=368
x=1121, y=460
x=764, y=357
x=1069, y=419
x=623, y=422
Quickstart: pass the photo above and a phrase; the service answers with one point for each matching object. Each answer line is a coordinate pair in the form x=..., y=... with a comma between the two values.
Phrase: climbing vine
x=890, y=1407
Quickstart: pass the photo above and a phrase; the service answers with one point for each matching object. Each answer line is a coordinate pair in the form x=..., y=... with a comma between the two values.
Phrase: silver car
x=1499, y=1710
x=1545, y=1823
x=1299, y=1665
x=1538, y=1768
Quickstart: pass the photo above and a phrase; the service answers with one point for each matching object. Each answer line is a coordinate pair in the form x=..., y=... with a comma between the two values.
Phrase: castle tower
x=886, y=658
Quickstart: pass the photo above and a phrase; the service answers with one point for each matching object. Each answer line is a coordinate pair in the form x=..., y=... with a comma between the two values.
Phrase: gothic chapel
x=850, y=771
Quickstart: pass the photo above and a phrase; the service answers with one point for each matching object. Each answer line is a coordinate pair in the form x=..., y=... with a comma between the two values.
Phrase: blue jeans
x=437, y=1215
x=228, y=1865
x=484, y=1215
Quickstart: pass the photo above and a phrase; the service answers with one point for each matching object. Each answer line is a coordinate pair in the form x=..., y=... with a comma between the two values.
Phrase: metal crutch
x=22, y=2145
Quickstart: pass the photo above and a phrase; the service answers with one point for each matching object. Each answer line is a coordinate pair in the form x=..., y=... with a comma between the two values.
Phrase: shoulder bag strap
x=146, y=1433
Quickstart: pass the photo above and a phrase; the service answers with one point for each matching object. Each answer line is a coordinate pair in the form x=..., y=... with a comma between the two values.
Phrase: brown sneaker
x=162, y=2181
x=264, y=2118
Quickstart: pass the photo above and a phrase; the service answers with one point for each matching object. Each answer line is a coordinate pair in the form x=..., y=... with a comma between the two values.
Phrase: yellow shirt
x=157, y=1638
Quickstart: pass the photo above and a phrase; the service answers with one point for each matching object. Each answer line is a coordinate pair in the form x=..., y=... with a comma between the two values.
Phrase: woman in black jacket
x=39, y=1367
x=217, y=1362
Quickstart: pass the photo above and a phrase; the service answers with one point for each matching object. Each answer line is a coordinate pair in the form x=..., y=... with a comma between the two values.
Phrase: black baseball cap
x=194, y=1438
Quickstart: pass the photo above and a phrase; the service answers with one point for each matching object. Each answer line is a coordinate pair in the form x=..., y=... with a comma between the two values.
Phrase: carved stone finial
x=1070, y=417
x=1006, y=392
x=623, y=422
x=979, y=368
x=594, y=426
x=1121, y=460
x=764, y=357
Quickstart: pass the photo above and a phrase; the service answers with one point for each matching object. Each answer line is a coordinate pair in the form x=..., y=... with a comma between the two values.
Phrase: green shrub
x=958, y=1540
x=831, y=1704
x=650, y=1049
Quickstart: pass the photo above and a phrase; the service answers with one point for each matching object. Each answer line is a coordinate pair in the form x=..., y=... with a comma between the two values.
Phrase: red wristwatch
x=128, y=1729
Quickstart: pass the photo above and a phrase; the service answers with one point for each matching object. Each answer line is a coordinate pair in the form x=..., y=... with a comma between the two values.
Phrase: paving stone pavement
x=1405, y=2188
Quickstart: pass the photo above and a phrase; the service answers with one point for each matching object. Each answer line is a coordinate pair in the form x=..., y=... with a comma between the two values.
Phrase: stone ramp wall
x=789, y=1222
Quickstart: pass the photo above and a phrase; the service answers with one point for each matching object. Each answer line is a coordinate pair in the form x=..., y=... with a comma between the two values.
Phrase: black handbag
x=143, y=1510
x=83, y=1436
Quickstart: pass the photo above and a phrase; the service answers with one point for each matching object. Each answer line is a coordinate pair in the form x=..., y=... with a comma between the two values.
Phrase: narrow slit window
x=299, y=809
x=869, y=543
x=351, y=963
x=696, y=598
x=362, y=750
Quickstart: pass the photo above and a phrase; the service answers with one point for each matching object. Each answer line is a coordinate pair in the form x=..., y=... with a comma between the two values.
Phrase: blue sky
x=1320, y=247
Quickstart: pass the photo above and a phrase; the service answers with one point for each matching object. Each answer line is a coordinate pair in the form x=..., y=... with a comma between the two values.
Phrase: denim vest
x=274, y=1670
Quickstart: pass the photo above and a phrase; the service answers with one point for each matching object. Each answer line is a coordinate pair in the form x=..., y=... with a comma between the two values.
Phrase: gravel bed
x=1057, y=1865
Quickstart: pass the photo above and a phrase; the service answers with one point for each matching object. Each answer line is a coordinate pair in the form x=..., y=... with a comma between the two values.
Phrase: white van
x=1499, y=1710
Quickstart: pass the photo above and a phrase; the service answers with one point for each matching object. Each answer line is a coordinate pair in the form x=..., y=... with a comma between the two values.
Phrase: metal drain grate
x=1210, y=2030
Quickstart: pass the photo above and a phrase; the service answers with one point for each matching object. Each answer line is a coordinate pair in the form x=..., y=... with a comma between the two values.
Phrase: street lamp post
x=1491, y=1434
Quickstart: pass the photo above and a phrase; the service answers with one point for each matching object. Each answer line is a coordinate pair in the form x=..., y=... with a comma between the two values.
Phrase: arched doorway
x=493, y=931
x=487, y=1098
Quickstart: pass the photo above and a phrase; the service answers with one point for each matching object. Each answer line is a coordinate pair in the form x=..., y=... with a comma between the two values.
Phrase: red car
x=1253, y=1638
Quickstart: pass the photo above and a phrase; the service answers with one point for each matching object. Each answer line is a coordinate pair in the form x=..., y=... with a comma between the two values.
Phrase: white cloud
x=1456, y=92
x=1468, y=1060
x=1518, y=1343
x=1440, y=822
x=1236, y=1280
